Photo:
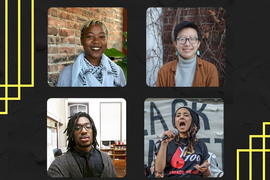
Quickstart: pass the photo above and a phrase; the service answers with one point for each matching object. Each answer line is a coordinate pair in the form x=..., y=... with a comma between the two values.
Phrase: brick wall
x=212, y=46
x=64, y=34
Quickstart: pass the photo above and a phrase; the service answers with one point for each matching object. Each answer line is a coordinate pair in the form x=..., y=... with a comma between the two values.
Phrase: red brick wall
x=64, y=34
x=206, y=19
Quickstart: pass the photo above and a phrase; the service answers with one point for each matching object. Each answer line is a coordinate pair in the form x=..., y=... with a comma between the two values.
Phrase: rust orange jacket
x=206, y=74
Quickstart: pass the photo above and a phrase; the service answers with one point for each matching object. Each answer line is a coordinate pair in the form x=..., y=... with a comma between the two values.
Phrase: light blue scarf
x=82, y=78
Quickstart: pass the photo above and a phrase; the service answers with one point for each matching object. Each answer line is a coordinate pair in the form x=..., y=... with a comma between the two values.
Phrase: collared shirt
x=206, y=74
x=95, y=158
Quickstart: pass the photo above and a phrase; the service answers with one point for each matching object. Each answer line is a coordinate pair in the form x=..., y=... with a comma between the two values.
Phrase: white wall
x=94, y=111
x=58, y=108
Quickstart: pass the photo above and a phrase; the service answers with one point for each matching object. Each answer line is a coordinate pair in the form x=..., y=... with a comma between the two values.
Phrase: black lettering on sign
x=157, y=117
x=150, y=152
x=145, y=133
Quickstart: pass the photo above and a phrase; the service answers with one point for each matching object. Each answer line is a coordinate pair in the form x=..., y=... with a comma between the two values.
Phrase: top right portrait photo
x=185, y=47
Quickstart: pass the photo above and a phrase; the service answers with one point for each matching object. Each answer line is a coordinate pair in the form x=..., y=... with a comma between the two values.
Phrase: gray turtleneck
x=185, y=72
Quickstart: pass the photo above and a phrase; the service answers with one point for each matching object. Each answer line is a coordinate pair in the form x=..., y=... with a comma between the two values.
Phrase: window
x=74, y=108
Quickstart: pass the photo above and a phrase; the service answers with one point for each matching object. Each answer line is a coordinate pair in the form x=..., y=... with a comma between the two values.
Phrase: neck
x=85, y=149
x=183, y=135
x=94, y=62
x=193, y=58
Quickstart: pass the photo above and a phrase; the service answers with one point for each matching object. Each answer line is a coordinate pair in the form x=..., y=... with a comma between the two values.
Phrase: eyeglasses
x=87, y=127
x=183, y=40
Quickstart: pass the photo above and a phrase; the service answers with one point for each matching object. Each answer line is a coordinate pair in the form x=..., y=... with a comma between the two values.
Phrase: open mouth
x=182, y=124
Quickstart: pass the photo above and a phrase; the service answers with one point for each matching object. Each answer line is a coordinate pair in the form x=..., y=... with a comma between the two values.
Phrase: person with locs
x=82, y=159
x=183, y=155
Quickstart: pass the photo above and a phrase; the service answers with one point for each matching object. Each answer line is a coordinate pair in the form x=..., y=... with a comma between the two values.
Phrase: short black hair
x=71, y=128
x=183, y=25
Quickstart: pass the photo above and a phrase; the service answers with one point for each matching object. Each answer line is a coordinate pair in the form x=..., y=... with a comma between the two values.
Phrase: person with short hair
x=92, y=68
x=82, y=159
x=183, y=155
x=189, y=70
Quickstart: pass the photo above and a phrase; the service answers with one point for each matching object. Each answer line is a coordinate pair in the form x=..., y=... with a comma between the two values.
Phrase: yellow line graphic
x=19, y=85
x=250, y=151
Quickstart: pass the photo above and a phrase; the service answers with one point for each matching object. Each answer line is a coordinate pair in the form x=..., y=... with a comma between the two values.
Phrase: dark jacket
x=66, y=166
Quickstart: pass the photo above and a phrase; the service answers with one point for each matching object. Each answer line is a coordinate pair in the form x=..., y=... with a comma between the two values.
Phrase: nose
x=182, y=116
x=187, y=42
x=83, y=130
x=95, y=39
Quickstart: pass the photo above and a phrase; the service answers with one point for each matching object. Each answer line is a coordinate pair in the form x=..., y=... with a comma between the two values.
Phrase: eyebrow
x=186, y=36
x=93, y=33
x=183, y=113
x=82, y=124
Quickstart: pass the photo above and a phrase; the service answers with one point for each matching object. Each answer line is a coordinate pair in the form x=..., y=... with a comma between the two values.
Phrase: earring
x=176, y=53
x=198, y=52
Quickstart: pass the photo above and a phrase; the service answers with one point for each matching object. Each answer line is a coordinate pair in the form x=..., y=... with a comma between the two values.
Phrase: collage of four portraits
x=183, y=137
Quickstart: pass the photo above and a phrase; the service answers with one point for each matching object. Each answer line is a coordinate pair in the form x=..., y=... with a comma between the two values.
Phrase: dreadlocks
x=71, y=128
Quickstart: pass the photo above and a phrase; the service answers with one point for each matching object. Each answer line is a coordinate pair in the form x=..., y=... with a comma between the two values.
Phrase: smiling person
x=92, y=68
x=82, y=159
x=183, y=155
x=189, y=70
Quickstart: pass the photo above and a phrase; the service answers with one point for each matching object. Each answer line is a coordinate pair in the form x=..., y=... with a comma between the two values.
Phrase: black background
x=246, y=94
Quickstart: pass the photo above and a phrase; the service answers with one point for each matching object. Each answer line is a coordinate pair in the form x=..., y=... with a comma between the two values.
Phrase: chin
x=85, y=145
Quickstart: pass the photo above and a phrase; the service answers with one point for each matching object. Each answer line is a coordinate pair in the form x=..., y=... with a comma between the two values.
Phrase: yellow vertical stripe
x=263, y=150
x=18, y=85
x=32, y=41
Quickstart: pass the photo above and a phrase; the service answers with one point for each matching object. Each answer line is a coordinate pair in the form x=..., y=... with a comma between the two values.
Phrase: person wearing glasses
x=82, y=159
x=189, y=70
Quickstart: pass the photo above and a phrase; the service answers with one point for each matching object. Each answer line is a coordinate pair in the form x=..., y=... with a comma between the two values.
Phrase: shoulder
x=64, y=166
x=201, y=145
x=66, y=70
x=104, y=155
x=201, y=142
x=65, y=76
x=168, y=66
x=205, y=64
x=63, y=158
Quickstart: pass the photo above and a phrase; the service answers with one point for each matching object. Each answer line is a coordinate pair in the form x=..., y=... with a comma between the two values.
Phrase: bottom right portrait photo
x=184, y=137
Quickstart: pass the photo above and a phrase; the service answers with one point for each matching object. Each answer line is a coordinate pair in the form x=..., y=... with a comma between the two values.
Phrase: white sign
x=158, y=116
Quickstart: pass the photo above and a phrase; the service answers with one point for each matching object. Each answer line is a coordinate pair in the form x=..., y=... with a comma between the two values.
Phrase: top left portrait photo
x=87, y=47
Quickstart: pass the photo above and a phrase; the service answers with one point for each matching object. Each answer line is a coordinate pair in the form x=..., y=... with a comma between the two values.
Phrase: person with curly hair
x=183, y=155
x=82, y=159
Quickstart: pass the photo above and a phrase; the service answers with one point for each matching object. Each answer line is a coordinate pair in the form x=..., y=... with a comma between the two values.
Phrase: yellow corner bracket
x=19, y=85
x=251, y=150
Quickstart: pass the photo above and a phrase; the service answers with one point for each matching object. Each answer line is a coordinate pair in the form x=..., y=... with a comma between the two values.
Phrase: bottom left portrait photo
x=86, y=137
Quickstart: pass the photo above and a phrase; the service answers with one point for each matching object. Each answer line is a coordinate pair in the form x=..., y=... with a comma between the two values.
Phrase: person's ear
x=175, y=44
